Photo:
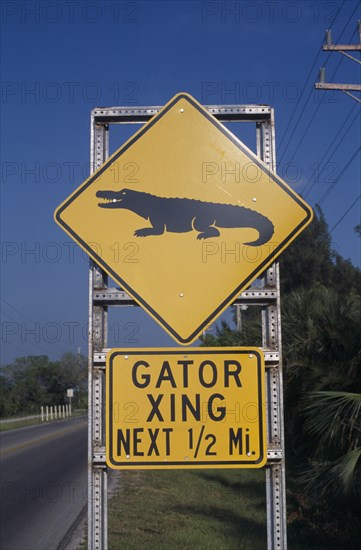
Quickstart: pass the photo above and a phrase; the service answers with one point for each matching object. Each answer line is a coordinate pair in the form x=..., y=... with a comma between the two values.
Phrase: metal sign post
x=282, y=217
x=266, y=294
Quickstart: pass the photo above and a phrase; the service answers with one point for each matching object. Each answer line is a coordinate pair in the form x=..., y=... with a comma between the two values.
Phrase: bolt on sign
x=185, y=408
x=184, y=217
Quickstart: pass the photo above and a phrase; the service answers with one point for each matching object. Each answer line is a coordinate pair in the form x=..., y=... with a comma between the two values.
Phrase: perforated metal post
x=271, y=340
x=266, y=295
x=98, y=334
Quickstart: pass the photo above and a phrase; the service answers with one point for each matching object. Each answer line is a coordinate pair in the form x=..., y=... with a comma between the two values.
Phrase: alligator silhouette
x=182, y=215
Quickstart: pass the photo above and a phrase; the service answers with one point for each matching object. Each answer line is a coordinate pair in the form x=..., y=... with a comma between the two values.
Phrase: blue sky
x=61, y=59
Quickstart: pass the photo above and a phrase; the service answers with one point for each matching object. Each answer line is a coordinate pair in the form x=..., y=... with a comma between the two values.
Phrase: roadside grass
x=4, y=427
x=187, y=509
x=209, y=510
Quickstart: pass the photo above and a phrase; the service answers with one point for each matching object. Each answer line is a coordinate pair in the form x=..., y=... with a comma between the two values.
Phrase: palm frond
x=334, y=418
x=341, y=478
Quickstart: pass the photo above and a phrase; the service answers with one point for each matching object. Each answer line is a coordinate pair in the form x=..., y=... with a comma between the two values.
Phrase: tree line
x=31, y=382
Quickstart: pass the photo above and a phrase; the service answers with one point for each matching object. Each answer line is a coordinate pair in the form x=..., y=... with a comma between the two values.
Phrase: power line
x=344, y=169
x=305, y=84
x=345, y=88
x=27, y=341
x=317, y=107
x=305, y=192
x=345, y=26
x=298, y=101
x=17, y=311
x=310, y=93
x=31, y=343
x=312, y=118
x=23, y=350
x=34, y=323
x=296, y=125
x=345, y=214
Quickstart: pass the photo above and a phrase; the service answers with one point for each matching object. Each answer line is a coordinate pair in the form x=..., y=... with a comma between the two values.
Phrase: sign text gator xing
x=185, y=408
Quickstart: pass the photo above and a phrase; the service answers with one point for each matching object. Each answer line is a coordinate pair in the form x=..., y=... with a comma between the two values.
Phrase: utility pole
x=342, y=49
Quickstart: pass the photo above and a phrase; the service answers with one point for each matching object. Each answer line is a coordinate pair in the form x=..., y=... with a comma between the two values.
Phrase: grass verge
x=187, y=509
x=4, y=427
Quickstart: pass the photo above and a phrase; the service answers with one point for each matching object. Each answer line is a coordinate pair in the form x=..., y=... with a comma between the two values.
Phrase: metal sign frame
x=266, y=295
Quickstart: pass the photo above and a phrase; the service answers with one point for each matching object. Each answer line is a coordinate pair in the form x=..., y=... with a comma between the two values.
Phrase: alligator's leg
x=205, y=228
x=146, y=231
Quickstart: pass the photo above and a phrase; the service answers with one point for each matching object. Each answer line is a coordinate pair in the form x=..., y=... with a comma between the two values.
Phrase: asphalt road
x=43, y=483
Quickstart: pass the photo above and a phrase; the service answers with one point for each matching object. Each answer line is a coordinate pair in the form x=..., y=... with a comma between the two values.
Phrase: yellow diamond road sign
x=183, y=217
x=185, y=408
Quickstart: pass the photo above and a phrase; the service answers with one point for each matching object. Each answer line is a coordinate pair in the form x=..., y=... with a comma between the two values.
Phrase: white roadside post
x=70, y=394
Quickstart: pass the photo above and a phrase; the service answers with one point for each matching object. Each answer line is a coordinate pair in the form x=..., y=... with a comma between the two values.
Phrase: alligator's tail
x=265, y=229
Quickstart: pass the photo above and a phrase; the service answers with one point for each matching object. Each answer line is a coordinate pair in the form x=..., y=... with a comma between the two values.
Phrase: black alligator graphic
x=182, y=215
